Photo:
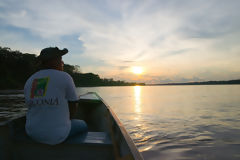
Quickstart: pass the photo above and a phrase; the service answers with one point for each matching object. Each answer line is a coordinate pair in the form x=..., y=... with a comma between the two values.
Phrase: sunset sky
x=151, y=41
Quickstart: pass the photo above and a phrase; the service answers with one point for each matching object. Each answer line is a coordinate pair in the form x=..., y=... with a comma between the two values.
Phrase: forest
x=16, y=67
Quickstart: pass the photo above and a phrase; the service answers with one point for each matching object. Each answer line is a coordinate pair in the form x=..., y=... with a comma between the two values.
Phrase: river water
x=200, y=122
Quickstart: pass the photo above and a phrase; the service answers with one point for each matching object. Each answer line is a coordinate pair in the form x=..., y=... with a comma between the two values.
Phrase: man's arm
x=72, y=108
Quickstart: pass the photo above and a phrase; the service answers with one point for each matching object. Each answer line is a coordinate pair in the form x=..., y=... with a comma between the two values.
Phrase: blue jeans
x=77, y=126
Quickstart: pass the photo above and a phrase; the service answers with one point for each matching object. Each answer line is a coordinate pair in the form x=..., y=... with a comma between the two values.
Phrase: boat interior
x=105, y=138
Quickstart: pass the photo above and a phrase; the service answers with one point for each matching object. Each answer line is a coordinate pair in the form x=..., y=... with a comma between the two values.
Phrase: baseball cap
x=51, y=52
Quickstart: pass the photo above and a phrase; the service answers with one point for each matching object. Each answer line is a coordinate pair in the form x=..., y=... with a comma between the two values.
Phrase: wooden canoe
x=106, y=139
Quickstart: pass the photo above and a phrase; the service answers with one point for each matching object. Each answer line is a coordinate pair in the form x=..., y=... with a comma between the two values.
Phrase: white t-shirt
x=47, y=93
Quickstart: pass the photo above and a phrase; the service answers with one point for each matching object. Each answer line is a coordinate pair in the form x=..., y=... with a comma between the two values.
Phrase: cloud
x=214, y=19
x=103, y=35
x=122, y=67
x=127, y=61
x=178, y=52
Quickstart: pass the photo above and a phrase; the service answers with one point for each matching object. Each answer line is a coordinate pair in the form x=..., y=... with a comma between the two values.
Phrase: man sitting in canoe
x=50, y=95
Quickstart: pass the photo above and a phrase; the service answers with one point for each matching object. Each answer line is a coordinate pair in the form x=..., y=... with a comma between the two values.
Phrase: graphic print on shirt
x=39, y=87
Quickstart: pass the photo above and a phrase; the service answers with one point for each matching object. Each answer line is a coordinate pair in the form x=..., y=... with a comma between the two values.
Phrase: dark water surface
x=169, y=122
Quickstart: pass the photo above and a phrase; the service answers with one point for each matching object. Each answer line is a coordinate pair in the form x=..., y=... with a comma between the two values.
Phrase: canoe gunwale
x=124, y=132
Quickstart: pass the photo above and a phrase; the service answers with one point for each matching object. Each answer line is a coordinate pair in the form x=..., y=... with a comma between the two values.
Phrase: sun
x=137, y=70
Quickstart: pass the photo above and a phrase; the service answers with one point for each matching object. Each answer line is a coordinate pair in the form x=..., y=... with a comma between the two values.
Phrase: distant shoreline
x=229, y=82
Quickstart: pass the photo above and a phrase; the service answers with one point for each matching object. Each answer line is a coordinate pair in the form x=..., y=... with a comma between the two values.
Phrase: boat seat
x=89, y=138
x=95, y=138
x=88, y=146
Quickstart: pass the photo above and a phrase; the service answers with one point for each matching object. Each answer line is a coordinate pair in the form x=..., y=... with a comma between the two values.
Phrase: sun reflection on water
x=137, y=94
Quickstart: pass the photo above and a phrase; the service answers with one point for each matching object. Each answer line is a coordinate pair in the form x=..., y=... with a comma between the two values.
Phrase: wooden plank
x=99, y=138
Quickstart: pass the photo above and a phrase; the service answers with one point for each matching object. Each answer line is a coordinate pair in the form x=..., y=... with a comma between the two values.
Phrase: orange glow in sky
x=137, y=70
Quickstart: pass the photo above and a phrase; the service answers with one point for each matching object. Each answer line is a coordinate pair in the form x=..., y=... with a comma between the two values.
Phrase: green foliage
x=17, y=67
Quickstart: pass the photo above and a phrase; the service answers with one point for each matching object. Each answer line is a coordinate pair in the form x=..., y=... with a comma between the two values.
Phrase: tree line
x=17, y=67
x=237, y=81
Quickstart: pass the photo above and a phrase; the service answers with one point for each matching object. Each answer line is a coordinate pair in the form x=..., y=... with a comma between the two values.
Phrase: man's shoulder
x=55, y=75
x=63, y=75
x=53, y=71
